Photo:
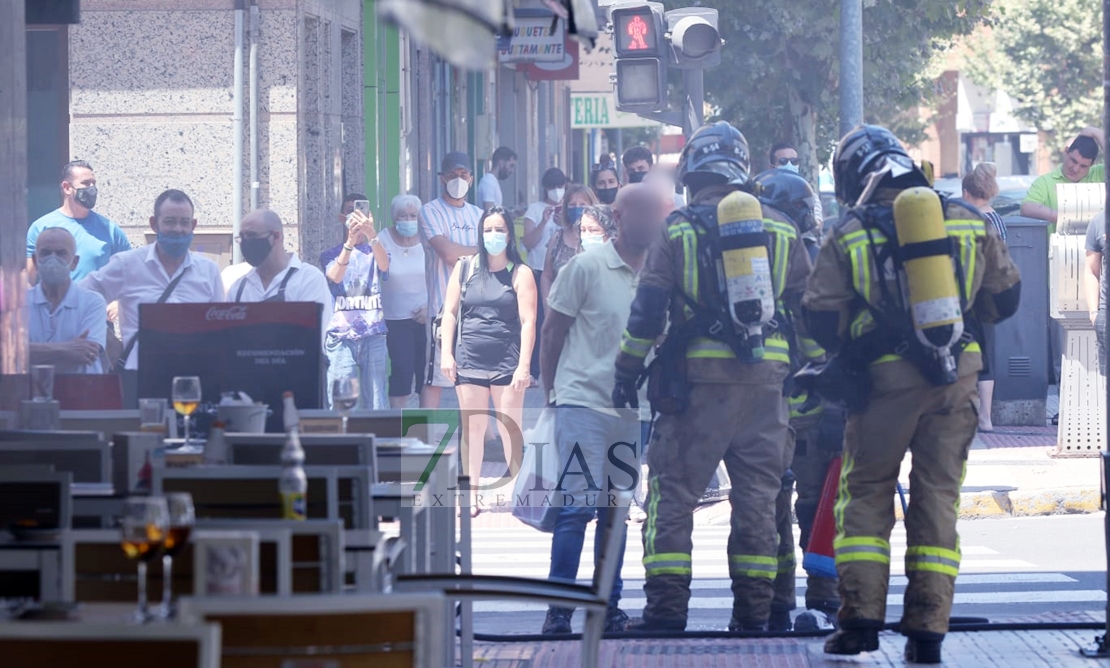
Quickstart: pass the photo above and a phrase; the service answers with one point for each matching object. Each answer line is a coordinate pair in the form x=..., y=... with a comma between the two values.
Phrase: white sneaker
x=637, y=514
x=813, y=620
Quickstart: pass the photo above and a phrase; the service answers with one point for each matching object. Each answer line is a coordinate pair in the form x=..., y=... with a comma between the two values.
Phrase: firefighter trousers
x=808, y=467
x=746, y=427
x=937, y=425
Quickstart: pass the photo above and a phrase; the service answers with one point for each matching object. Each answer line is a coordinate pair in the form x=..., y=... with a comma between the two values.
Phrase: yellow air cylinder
x=746, y=267
x=930, y=276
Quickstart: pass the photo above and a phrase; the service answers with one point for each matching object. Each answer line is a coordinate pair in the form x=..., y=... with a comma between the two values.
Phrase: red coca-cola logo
x=226, y=313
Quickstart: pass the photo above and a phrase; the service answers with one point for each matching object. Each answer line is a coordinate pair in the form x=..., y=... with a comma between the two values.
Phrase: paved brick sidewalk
x=1009, y=649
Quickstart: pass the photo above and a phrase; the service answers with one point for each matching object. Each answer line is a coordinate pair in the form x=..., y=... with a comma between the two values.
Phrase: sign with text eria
x=599, y=110
x=262, y=349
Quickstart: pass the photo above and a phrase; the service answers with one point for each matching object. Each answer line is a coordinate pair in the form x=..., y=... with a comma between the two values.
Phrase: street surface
x=1016, y=567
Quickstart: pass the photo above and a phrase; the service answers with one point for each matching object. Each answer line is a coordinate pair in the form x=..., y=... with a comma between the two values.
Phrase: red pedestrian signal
x=637, y=31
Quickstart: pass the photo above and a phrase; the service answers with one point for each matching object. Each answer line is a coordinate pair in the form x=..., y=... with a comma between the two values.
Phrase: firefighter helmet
x=716, y=154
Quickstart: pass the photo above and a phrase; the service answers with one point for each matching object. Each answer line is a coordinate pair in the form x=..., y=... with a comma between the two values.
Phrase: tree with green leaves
x=1047, y=56
x=778, y=77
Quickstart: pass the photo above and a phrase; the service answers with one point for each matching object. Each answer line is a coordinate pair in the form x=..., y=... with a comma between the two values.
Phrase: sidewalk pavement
x=1027, y=649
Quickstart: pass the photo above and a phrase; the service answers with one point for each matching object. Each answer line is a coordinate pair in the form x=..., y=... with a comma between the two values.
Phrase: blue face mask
x=592, y=240
x=790, y=168
x=175, y=245
x=406, y=228
x=574, y=213
x=496, y=242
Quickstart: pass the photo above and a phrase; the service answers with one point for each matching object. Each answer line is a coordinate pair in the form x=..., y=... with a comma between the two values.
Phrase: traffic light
x=694, y=38
x=641, y=56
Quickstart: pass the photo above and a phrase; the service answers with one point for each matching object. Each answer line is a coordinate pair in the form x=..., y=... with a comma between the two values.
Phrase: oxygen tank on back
x=746, y=267
x=934, y=296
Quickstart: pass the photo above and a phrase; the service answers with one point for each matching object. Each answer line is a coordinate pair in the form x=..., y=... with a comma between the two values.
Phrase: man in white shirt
x=278, y=275
x=165, y=271
x=502, y=166
x=449, y=228
x=65, y=323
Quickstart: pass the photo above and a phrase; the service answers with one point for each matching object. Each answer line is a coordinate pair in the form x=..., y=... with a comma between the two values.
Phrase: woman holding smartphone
x=355, y=338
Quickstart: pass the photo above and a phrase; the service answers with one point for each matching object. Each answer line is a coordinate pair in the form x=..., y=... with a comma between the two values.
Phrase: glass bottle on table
x=344, y=397
x=143, y=528
x=181, y=520
x=293, y=483
x=186, y=398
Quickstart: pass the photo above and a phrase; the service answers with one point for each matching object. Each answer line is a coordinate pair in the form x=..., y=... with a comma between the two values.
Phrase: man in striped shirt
x=449, y=228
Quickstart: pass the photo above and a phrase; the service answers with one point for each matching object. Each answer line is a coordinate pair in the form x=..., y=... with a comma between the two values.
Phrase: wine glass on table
x=143, y=528
x=186, y=398
x=344, y=396
x=181, y=520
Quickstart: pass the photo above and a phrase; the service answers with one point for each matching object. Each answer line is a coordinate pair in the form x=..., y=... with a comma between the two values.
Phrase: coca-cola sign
x=237, y=312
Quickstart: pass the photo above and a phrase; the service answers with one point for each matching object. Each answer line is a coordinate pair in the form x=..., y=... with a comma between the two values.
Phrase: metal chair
x=363, y=630
x=594, y=597
x=67, y=644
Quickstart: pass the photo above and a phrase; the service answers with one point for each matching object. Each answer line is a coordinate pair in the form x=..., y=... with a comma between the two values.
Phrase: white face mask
x=556, y=194
x=457, y=188
x=592, y=240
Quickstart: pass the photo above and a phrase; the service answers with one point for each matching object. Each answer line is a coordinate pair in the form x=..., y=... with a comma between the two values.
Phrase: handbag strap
x=161, y=300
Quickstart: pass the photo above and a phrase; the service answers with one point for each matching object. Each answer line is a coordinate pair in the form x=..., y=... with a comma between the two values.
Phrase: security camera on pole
x=647, y=41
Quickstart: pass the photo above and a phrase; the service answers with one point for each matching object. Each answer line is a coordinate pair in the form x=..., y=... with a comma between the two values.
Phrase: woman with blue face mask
x=405, y=301
x=488, y=331
x=564, y=245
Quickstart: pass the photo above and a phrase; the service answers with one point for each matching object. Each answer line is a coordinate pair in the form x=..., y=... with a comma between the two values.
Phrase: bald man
x=278, y=275
x=586, y=310
x=65, y=322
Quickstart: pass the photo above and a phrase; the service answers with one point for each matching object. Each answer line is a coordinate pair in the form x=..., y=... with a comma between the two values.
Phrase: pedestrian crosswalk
x=988, y=580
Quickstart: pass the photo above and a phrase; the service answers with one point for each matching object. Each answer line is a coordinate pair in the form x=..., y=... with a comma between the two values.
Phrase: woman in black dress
x=489, y=328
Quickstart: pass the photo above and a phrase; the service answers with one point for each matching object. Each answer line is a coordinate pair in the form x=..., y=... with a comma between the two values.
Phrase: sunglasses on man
x=782, y=162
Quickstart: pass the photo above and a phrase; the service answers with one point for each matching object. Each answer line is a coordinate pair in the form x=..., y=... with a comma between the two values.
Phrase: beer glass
x=181, y=521
x=143, y=529
x=186, y=398
x=344, y=396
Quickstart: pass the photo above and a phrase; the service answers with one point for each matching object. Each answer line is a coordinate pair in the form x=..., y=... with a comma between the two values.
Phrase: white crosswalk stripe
x=524, y=552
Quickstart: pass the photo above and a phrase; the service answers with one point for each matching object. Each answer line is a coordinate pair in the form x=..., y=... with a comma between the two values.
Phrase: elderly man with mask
x=65, y=322
x=278, y=275
x=163, y=272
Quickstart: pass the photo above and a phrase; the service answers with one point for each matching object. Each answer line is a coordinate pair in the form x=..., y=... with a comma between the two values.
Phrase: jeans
x=594, y=433
x=365, y=358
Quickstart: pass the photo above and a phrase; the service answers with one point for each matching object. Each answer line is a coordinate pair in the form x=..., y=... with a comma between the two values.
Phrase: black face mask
x=607, y=195
x=86, y=197
x=255, y=251
x=636, y=177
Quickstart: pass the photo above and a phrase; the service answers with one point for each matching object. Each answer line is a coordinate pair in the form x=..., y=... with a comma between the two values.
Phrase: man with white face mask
x=449, y=228
x=66, y=323
x=784, y=156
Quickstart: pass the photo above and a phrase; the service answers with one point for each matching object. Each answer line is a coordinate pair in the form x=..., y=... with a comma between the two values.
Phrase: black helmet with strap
x=867, y=155
x=790, y=193
x=716, y=154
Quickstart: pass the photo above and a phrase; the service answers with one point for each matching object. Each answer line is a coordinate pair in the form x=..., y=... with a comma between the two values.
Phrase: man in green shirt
x=1040, y=201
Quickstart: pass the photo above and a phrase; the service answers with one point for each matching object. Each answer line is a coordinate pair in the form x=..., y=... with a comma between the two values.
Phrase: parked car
x=1011, y=191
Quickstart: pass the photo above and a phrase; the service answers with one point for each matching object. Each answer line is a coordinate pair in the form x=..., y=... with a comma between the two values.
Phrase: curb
x=1035, y=503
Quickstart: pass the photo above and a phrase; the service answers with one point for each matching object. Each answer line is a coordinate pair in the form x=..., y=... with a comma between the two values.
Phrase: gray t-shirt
x=1096, y=243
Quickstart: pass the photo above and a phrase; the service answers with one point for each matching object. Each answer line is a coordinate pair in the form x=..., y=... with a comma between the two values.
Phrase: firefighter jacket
x=677, y=271
x=845, y=287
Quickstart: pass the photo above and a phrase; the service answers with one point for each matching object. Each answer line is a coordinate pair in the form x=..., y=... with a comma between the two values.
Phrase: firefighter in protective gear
x=895, y=335
x=718, y=397
x=808, y=456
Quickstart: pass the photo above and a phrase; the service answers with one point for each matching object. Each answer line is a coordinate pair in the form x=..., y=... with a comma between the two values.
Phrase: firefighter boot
x=861, y=636
x=923, y=647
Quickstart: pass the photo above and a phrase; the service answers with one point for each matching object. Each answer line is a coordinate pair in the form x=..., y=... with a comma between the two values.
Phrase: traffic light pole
x=693, y=116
